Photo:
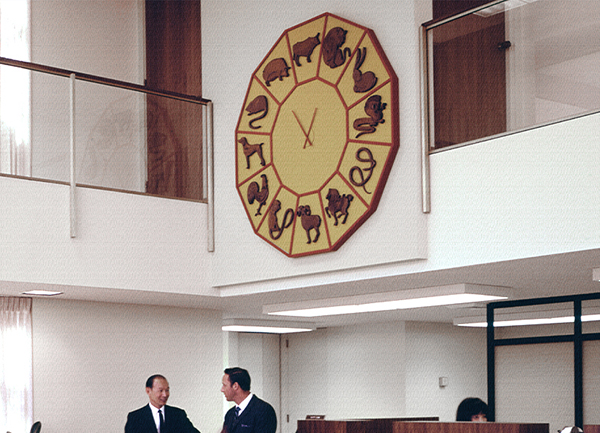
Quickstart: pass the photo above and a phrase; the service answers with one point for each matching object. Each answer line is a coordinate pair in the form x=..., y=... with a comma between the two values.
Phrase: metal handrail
x=102, y=80
x=73, y=76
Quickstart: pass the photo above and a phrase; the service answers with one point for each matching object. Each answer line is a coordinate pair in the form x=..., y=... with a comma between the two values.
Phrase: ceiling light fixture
x=416, y=298
x=502, y=7
x=266, y=326
x=525, y=319
x=41, y=293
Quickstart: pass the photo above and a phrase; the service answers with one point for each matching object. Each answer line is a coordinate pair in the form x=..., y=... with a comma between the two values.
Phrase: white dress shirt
x=156, y=417
x=244, y=403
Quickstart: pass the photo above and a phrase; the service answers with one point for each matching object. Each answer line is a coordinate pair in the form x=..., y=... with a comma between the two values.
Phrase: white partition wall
x=534, y=383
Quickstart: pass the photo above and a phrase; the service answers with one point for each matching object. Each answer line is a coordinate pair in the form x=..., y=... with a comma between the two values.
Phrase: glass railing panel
x=113, y=127
x=110, y=137
x=512, y=65
x=50, y=127
x=126, y=137
x=175, y=158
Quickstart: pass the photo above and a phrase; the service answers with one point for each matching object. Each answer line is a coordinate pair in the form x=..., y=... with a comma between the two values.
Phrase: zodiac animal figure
x=333, y=56
x=374, y=109
x=258, y=104
x=309, y=222
x=305, y=48
x=260, y=194
x=363, y=82
x=276, y=68
x=251, y=149
x=288, y=217
x=359, y=172
x=338, y=204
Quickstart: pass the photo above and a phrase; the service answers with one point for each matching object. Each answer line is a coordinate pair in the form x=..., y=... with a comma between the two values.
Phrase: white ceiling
x=564, y=274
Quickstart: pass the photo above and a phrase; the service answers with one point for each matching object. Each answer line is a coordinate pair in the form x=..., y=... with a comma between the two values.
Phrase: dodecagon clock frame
x=317, y=136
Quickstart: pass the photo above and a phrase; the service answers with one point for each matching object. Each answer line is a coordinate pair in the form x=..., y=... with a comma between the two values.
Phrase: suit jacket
x=176, y=421
x=258, y=417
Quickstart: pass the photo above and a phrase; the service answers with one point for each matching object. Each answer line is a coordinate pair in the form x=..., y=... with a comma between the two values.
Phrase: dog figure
x=251, y=149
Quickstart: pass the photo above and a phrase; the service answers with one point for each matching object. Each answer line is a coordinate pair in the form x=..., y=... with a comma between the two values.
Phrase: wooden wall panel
x=394, y=426
x=469, y=80
x=444, y=8
x=174, y=63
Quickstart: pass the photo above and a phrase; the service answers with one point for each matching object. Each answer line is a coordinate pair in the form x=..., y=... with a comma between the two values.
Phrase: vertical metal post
x=204, y=152
x=210, y=179
x=425, y=130
x=72, y=202
x=491, y=364
x=578, y=364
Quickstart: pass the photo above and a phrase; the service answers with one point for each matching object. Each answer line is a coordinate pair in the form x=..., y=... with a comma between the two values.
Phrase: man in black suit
x=156, y=416
x=250, y=414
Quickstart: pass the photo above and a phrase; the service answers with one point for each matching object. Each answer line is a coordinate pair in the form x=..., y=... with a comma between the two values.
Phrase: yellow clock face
x=317, y=136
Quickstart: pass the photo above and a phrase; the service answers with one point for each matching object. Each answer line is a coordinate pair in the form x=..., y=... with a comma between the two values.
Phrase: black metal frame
x=577, y=337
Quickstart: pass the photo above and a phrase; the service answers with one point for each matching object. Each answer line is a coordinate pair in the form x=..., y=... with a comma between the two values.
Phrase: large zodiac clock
x=317, y=136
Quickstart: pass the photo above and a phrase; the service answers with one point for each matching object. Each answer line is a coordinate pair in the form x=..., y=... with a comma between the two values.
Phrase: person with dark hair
x=472, y=409
x=156, y=416
x=250, y=414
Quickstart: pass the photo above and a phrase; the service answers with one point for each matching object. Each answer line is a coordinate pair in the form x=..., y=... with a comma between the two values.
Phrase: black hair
x=469, y=407
x=239, y=375
x=150, y=381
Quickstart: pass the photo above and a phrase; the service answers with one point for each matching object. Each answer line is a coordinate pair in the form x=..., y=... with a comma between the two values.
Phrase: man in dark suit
x=156, y=416
x=250, y=414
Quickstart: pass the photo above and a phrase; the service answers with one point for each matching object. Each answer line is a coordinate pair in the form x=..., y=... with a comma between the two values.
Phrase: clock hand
x=309, y=129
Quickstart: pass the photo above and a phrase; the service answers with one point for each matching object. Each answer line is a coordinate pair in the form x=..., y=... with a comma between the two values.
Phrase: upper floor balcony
x=507, y=66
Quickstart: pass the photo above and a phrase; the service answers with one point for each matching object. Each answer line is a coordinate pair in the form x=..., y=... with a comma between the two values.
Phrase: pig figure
x=276, y=68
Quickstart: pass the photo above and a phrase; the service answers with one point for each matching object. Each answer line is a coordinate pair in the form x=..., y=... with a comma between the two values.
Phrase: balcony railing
x=87, y=130
x=510, y=65
x=504, y=67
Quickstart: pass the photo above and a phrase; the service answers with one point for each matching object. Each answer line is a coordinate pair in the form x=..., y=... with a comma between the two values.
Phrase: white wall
x=236, y=38
x=381, y=370
x=123, y=241
x=344, y=372
x=437, y=350
x=91, y=362
x=523, y=195
x=98, y=37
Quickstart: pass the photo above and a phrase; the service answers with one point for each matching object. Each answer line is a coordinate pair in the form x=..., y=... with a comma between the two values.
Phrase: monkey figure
x=374, y=109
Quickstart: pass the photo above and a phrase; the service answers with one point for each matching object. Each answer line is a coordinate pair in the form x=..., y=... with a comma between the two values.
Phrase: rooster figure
x=260, y=194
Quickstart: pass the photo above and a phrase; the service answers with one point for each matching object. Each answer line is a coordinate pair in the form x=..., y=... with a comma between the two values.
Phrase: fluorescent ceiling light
x=416, y=298
x=42, y=293
x=531, y=318
x=266, y=326
x=502, y=7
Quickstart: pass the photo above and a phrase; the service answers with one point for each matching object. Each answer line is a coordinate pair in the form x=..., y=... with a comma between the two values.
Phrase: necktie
x=237, y=411
x=161, y=422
